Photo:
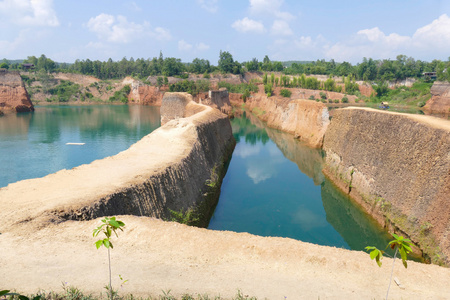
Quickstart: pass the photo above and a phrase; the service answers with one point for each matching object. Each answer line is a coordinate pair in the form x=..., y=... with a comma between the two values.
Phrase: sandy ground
x=155, y=255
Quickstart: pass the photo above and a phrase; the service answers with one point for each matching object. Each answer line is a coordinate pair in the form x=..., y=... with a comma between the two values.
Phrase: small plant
x=109, y=226
x=188, y=217
x=344, y=99
x=21, y=297
x=311, y=97
x=400, y=244
x=323, y=95
x=285, y=93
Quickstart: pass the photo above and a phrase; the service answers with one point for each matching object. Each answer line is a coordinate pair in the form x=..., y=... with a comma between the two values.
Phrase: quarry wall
x=397, y=166
x=177, y=167
x=13, y=94
x=440, y=99
x=306, y=120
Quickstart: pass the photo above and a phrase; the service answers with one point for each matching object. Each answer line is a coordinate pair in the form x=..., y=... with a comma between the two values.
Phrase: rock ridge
x=397, y=166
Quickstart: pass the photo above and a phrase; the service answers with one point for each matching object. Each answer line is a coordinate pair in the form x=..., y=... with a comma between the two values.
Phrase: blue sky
x=343, y=30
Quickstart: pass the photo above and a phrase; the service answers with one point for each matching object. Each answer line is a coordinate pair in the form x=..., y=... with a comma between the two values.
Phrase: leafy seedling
x=400, y=244
x=109, y=226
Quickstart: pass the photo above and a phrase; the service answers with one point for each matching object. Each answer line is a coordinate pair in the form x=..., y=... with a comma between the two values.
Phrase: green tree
x=226, y=62
x=252, y=66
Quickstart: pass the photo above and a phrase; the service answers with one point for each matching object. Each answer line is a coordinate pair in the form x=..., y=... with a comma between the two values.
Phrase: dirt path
x=155, y=255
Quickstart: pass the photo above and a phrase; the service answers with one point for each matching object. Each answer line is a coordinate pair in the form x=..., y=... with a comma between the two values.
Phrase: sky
x=66, y=30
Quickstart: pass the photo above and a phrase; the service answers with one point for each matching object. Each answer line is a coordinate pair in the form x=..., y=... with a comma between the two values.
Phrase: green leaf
x=22, y=297
x=407, y=247
x=4, y=292
x=98, y=243
x=122, y=224
x=37, y=297
x=114, y=224
x=378, y=260
x=373, y=254
x=106, y=243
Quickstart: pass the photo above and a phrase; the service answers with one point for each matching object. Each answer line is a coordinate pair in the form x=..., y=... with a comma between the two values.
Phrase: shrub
x=421, y=104
x=268, y=90
x=330, y=100
x=323, y=95
x=344, y=100
x=312, y=97
x=285, y=93
x=336, y=100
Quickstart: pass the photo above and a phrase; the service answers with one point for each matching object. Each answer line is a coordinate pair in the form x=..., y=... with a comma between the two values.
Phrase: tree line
x=368, y=70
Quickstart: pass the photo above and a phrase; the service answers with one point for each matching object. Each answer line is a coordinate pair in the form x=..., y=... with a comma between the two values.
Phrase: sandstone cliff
x=397, y=166
x=305, y=119
x=440, y=100
x=13, y=95
x=176, y=167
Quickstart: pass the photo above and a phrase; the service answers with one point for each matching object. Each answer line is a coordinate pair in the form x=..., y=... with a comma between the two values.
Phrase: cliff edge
x=397, y=166
x=307, y=120
x=13, y=94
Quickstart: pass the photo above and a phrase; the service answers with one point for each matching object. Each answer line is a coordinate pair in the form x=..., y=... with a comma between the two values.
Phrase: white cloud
x=161, y=34
x=270, y=7
x=29, y=12
x=248, y=25
x=434, y=35
x=209, y=5
x=120, y=30
x=184, y=46
x=202, y=47
x=135, y=7
x=281, y=27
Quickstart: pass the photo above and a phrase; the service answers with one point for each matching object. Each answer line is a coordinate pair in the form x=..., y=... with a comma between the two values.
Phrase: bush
x=190, y=87
x=268, y=90
x=312, y=97
x=285, y=93
x=121, y=95
x=323, y=95
x=344, y=100
x=421, y=104
x=336, y=100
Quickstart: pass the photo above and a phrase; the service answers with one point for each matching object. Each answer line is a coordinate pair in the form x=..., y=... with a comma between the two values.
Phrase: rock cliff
x=305, y=119
x=440, y=100
x=397, y=166
x=13, y=94
x=177, y=167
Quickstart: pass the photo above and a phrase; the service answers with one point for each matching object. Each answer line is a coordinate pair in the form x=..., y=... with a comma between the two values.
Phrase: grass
x=416, y=95
x=73, y=293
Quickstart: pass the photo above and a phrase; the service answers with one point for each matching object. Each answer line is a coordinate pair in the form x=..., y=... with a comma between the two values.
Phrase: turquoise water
x=274, y=186
x=34, y=144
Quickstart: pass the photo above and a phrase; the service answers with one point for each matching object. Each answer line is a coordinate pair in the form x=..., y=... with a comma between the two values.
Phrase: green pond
x=274, y=185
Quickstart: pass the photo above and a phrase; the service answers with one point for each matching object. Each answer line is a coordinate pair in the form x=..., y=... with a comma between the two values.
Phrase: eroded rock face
x=307, y=120
x=144, y=94
x=440, y=100
x=13, y=94
x=397, y=166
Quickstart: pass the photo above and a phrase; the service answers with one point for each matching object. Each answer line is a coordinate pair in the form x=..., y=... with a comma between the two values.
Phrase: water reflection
x=34, y=144
x=275, y=187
